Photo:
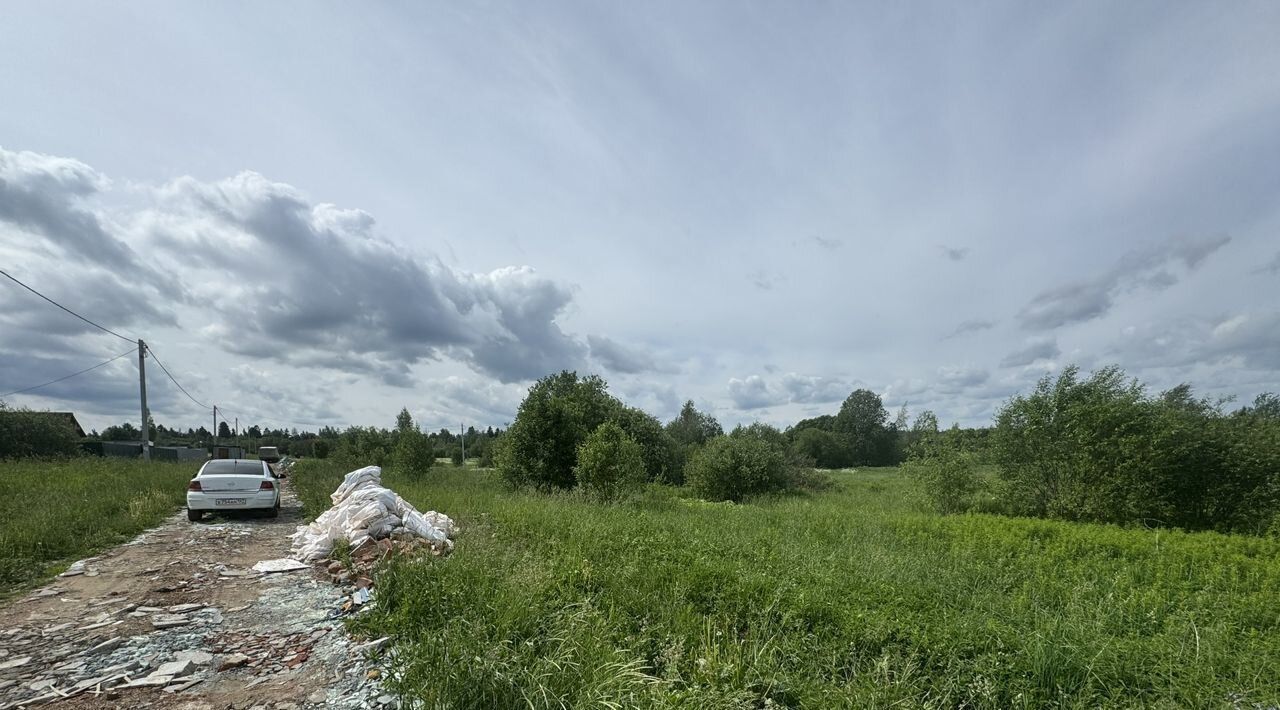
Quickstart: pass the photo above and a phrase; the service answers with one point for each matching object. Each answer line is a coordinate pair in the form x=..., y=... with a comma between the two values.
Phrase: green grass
x=847, y=599
x=55, y=512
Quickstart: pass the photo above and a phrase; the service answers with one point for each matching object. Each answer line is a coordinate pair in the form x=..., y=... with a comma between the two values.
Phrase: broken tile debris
x=159, y=629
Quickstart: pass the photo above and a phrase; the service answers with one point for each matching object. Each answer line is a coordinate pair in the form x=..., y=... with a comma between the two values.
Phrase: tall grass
x=852, y=598
x=53, y=512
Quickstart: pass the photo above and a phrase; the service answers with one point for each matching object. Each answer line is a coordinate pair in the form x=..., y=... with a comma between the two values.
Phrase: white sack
x=363, y=510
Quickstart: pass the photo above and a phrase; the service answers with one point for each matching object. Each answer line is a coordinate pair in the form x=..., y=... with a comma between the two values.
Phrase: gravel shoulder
x=177, y=618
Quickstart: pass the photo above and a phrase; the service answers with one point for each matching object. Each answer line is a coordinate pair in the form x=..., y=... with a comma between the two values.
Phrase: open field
x=845, y=599
x=54, y=512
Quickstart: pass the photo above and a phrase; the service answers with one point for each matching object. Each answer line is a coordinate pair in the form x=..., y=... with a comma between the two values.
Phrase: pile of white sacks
x=364, y=510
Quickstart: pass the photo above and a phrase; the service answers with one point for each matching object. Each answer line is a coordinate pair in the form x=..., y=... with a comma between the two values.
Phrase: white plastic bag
x=362, y=510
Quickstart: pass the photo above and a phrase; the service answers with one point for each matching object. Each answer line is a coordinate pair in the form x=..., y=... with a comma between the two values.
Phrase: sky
x=319, y=213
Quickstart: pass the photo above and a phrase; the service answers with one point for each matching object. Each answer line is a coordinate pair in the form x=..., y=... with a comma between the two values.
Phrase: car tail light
x=193, y=486
x=267, y=486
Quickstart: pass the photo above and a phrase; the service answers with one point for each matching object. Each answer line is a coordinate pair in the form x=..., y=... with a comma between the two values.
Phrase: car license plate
x=228, y=501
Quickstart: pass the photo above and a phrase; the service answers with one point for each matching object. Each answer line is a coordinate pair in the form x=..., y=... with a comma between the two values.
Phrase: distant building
x=178, y=453
x=228, y=452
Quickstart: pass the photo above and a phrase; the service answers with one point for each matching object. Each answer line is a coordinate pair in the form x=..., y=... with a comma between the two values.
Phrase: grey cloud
x=112, y=388
x=306, y=282
x=1271, y=267
x=46, y=195
x=620, y=358
x=1036, y=349
x=493, y=404
x=970, y=326
x=809, y=389
x=753, y=392
x=954, y=253
x=1086, y=300
x=765, y=281
x=825, y=243
x=958, y=379
x=1252, y=337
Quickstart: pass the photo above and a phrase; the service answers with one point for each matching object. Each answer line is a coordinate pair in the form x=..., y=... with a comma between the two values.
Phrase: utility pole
x=464, y=443
x=215, y=425
x=142, y=389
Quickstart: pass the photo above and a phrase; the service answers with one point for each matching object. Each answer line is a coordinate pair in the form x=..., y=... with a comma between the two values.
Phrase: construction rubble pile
x=367, y=515
x=153, y=636
x=116, y=645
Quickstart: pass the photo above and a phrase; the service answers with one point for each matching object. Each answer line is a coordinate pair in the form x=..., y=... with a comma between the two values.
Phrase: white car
x=233, y=484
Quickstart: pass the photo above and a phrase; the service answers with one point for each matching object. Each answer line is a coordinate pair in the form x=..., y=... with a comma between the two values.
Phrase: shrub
x=413, y=453
x=610, y=463
x=363, y=446
x=735, y=467
x=487, y=456
x=657, y=448
x=541, y=447
x=826, y=449
x=1101, y=449
x=321, y=449
x=946, y=477
x=26, y=433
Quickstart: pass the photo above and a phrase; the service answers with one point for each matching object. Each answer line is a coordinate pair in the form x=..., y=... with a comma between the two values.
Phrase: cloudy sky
x=319, y=213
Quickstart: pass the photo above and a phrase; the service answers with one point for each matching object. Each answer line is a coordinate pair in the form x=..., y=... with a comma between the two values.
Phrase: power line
x=67, y=377
x=175, y=382
x=68, y=310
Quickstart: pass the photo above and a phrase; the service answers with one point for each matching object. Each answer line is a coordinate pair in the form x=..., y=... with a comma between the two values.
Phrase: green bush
x=736, y=467
x=826, y=449
x=321, y=449
x=1102, y=449
x=610, y=463
x=363, y=446
x=413, y=453
x=541, y=447
x=946, y=477
x=661, y=457
x=24, y=433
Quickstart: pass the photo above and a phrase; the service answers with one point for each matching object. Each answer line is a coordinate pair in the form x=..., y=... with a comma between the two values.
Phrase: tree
x=364, y=446
x=693, y=427
x=255, y=432
x=862, y=419
x=224, y=431
x=763, y=432
x=413, y=453
x=404, y=421
x=610, y=463
x=825, y=449
x=926, y=423
x=121, y=432
x=555, y=418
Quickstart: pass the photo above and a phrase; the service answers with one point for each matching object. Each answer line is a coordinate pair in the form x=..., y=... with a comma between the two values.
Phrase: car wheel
x=194, y=515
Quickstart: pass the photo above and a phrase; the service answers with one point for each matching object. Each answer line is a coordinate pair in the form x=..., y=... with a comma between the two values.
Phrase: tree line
x=1105, y=449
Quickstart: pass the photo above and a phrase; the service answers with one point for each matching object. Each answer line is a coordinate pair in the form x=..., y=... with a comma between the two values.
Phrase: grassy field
x=847, y=599
x=54, y=512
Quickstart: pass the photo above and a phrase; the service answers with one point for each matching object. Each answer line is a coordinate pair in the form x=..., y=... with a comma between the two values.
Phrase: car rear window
x=232, y=466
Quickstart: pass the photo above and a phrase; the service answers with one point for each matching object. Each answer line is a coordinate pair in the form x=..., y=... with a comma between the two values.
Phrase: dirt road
x=177, y=618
